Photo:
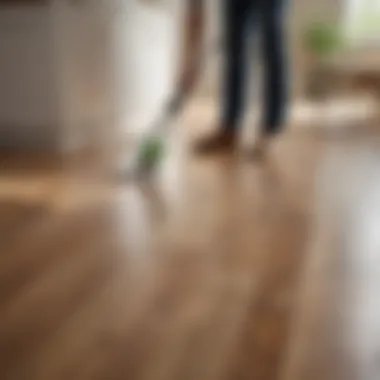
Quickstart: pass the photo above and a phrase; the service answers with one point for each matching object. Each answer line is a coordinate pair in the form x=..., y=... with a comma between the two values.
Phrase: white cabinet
x=148, y=35
x=83, y=50
x=75, y=71
x=28, y=96
x=53, y=74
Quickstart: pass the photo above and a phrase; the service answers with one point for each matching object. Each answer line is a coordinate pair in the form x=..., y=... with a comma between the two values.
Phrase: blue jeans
x=243, y=17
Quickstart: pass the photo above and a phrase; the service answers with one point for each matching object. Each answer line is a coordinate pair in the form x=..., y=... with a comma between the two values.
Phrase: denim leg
x=275, y=64
x=236, y=19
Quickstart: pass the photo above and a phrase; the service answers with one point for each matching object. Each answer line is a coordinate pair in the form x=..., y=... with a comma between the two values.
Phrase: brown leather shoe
x=220, y=142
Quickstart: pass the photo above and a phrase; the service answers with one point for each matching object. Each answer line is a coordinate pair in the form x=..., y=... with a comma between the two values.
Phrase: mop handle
x=175, y=103
x=169, y=111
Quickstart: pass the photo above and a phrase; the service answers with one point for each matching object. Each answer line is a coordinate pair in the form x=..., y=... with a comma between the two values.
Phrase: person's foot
x=261, y=148
x=219, y=142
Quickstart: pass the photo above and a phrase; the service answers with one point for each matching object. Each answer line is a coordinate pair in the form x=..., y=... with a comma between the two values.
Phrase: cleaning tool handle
x=175, y=103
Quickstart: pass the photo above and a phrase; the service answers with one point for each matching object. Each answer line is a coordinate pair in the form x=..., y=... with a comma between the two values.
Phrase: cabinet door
x=84, y=54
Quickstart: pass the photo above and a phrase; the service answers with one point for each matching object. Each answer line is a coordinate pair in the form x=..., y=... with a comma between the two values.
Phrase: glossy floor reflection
x=219, y=269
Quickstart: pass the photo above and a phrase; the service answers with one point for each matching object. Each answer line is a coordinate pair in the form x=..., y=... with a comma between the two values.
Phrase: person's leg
x=235, y=22
x=236, y=25
x=273, y=34
x=274, y=54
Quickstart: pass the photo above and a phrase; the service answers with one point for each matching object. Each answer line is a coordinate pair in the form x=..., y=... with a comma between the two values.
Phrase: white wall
x=28, y=101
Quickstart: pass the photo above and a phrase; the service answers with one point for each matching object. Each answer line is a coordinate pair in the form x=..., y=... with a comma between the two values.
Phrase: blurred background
x=74, y=72
x=215, y=268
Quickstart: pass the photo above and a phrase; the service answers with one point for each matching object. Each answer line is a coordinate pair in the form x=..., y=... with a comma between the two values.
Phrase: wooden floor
x=220, y=269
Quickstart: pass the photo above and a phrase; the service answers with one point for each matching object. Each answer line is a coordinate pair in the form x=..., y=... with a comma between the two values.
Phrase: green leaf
x=151, y=151
x=322, y=39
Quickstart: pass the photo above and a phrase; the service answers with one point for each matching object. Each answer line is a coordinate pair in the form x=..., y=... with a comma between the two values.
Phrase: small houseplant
x=321, y=42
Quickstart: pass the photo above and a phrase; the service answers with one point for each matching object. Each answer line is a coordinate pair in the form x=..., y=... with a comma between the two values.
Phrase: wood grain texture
x=221, y=269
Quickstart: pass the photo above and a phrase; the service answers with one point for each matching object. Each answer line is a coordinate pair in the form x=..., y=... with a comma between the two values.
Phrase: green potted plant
x=321, y=41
